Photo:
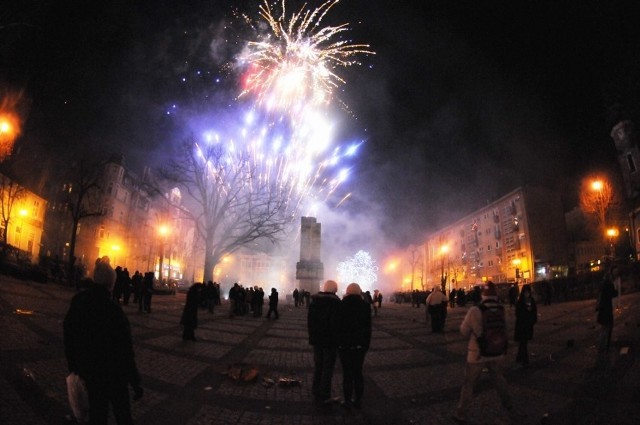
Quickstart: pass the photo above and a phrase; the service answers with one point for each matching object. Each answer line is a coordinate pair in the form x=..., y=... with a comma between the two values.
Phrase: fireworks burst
x=294, y=66
x=279, y=162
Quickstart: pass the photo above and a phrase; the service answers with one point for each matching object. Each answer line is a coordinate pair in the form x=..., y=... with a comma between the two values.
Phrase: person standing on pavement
x=189, y=319
x=323, y=325
x=98, y=348
x=273, y=304
x=353, y=344
x=436, y=307
x=605, y=310
x=526, y=317
x=471, y=328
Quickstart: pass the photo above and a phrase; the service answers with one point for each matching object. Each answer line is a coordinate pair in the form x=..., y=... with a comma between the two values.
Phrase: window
x=101, y=232
x=488, y=247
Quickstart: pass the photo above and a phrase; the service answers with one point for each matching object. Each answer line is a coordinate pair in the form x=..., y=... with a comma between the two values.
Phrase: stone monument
x=310, y=270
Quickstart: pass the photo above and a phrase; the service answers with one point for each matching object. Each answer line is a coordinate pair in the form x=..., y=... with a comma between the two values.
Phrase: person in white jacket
x=471, y=328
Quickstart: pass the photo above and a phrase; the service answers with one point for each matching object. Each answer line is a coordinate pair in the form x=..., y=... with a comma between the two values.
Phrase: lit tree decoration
x=361, y=269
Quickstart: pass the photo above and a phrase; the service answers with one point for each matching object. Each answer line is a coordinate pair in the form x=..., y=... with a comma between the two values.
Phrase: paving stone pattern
x=412, y=376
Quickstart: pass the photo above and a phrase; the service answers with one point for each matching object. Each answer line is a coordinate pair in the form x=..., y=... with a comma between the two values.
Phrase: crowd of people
x=98, y=343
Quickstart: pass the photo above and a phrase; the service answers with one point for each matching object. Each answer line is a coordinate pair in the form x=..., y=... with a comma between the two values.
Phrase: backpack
x=494, y=340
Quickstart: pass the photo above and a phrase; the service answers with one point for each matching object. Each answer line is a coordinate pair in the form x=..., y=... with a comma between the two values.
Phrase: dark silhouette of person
x=526, y=317
x=323, y=327
x=98, y=347
x=354, y=341
x=209, y=294
x=146, y=293
x=189, y=319
x=127, y=286
x=273, y=304
x=605, y=310
x=296, y=297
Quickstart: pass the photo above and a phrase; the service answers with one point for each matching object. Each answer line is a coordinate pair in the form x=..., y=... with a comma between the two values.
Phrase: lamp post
x=601, y=207
x=516, y=264
x=114, y=251
x=612, y=233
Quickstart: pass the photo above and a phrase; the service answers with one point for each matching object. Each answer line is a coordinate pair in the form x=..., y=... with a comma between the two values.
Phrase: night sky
x=462, y=103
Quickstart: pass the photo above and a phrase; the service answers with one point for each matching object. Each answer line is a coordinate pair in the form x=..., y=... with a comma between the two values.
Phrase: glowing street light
x=612, y=233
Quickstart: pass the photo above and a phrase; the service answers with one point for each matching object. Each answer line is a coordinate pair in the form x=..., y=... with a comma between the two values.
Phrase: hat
x=330, y=286
x=489, y=290
x=354, y=289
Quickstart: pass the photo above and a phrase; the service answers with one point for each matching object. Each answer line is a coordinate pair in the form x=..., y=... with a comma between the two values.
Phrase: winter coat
x=97, y=339
x=190, y=312
x=471, y=328
x=605, y=305
x=323, y=320
x=526, y=317
x=355, y=323
x=273, y=299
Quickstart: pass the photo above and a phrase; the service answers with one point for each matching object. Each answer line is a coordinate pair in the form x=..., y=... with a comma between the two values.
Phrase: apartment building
x=138, y=228
x=520, y=237
x=23, y=214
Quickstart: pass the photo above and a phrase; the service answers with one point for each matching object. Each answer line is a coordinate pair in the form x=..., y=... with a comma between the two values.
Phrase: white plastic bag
x=78, y=398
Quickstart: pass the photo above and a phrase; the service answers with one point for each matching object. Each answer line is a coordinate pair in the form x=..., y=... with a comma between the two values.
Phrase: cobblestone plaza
x=411, y=375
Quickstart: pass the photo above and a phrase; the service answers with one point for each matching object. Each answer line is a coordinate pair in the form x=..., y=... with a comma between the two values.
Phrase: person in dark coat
x=189, y=319
x=526, y=317
x=323, y=327
x=98, y=348
x=273, y=304
x=353, y=343
x=605, y=310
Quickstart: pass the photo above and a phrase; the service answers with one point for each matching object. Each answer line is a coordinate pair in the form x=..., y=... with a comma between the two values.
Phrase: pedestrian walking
x=98, y=348
x=353, y=344
x=189, y=319
x=526, y=317
x=273, y=304
x=436, y=307
x=472, y=328
x=323, y=327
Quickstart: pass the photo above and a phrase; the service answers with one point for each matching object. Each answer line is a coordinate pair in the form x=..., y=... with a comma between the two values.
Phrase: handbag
x=78, y=397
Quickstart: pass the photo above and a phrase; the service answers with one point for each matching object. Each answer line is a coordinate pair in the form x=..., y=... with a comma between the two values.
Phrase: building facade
x=521, y=237
x=137, y=227
x=23, y=215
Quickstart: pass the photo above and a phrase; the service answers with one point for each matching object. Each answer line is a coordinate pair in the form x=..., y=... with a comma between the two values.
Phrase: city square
x=411, y=375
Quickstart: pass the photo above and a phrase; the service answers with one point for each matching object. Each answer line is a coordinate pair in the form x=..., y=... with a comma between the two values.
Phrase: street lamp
x=516, y=264
x=612, y=233
x=114, y=253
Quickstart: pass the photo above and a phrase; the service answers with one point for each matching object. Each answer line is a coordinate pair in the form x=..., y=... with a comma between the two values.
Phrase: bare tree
x=596, y=198
x=231, y=203
x=415, y=258
x=10, y=193
x=83, y=199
